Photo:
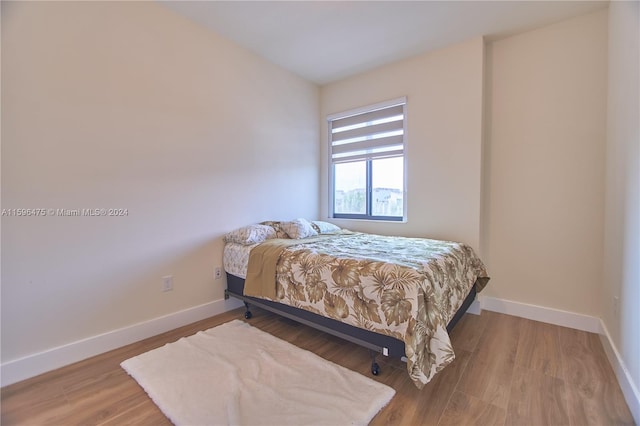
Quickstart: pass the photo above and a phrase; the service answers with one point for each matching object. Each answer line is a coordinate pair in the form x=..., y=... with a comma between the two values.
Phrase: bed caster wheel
x=248, y=315
x=375, y=369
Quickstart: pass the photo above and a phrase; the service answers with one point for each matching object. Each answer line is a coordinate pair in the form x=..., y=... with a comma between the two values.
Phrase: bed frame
x=376, y=343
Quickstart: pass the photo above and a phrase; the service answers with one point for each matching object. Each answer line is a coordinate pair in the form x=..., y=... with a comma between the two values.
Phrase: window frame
x=369, y=165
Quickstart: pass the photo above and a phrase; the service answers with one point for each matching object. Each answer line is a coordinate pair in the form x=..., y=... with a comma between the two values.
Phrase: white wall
x=444, y=138
x=544, y=187
x=128, y=105
x=622, y=214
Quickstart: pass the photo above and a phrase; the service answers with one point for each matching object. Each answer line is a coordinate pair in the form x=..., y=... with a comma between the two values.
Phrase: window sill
x=342, y=219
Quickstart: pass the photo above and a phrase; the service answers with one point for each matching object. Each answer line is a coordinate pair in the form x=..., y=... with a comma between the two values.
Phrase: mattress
x=236, y=259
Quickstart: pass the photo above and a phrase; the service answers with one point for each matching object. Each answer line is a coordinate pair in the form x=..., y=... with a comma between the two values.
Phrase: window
x=367, y=166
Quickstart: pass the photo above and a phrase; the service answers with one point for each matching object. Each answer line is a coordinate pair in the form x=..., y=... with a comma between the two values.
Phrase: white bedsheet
x=236, y=259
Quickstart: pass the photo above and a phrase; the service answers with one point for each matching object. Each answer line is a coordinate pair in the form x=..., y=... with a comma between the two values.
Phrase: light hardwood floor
x=507, y=371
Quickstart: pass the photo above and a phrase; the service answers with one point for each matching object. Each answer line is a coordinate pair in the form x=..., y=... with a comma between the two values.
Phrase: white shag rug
x=235, y=374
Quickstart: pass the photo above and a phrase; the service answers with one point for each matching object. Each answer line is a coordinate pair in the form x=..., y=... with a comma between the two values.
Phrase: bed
x=396, y=296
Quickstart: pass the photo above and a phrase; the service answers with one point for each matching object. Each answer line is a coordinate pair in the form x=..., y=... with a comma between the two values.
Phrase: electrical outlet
x=217, y=273
x=167, y=283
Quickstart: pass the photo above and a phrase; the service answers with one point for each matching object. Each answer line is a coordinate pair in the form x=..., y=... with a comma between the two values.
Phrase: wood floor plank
x=505, y=372
x=468, y=410
x=436, y=394
x=146, y=413
x=399, y=410
x=539, y=348
x=98, y=401
x=597, y=404
x=411, y=405
x=536, y=399
x=584, y=360
x=41, y=403
x=490, y=370
x=466, y=334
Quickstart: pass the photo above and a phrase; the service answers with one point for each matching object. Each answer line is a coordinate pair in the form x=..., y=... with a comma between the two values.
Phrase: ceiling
x=324, y=41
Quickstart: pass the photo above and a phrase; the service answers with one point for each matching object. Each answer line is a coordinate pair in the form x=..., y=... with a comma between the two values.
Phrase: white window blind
x=375, y=132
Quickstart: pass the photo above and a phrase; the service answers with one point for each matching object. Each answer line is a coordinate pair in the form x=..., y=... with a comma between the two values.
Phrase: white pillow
x=252, y=234
x=299, y=228
x=325, y=227
x=277, y=226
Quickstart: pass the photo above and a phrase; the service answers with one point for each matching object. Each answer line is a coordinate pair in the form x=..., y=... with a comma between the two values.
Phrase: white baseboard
x=629, y=388
x=542, y=314
x=35, y=364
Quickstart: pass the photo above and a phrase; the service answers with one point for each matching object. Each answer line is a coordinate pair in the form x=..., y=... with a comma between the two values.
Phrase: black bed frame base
x=376, y=343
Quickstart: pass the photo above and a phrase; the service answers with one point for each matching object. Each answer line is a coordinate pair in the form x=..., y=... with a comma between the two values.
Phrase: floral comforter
x=407, y=288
